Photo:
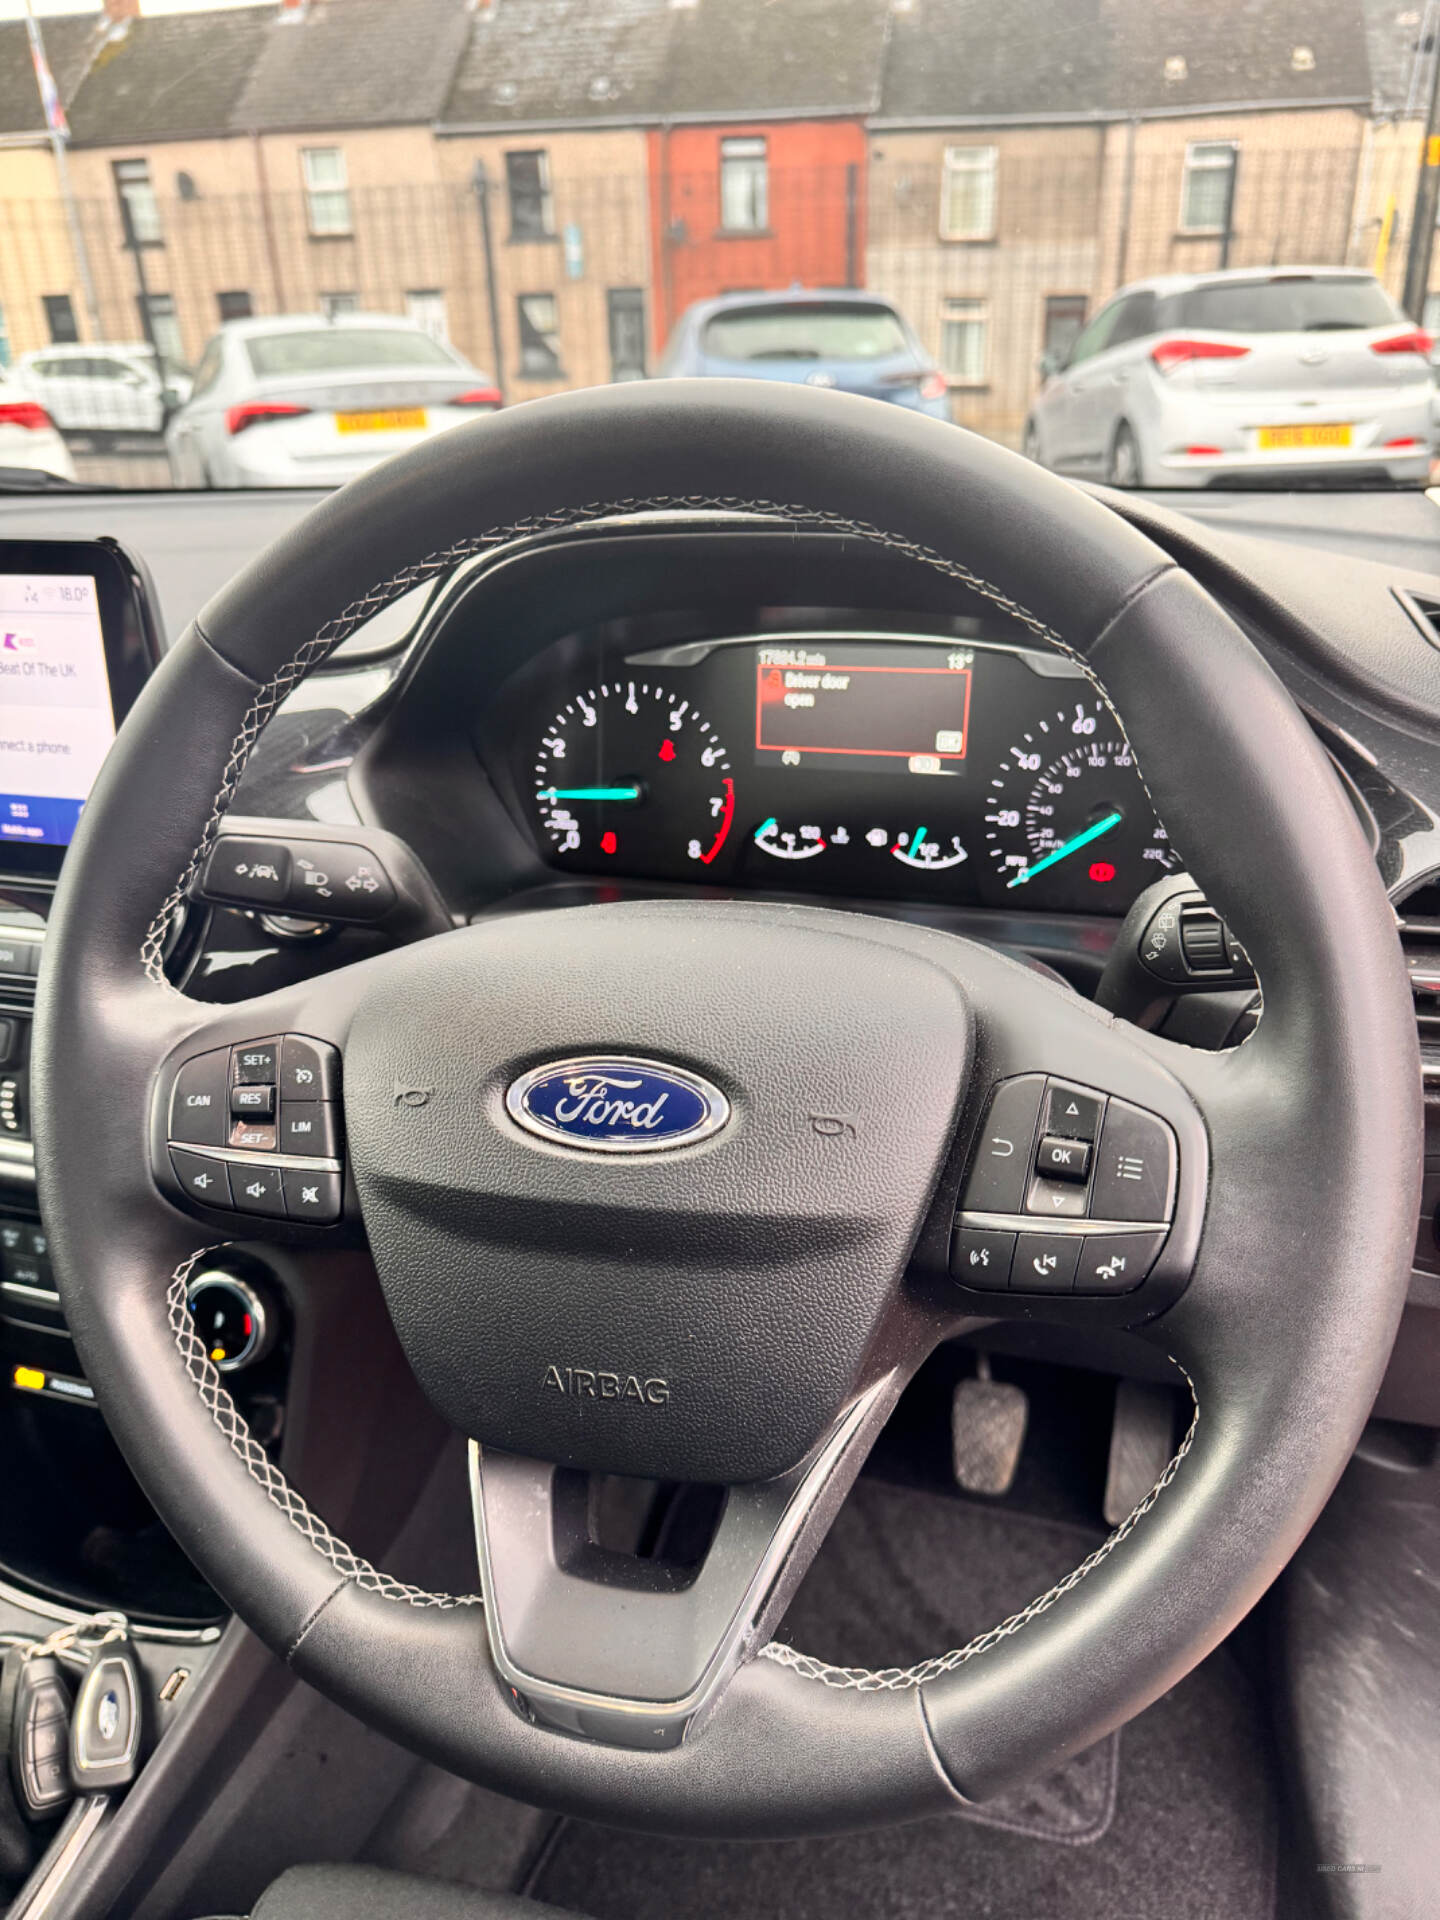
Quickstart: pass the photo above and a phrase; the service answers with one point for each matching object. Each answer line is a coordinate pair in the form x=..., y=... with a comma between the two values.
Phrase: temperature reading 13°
x=630, y=775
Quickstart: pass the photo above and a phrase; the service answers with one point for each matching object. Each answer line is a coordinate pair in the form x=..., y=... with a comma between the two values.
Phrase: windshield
x=1028, y=210
x=805, y=333
x=341, y=351
x=1286, y=305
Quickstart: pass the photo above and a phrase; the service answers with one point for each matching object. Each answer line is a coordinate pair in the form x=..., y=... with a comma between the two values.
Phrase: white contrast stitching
x=900, y=1679
x=268, y=697
x=261, y=1468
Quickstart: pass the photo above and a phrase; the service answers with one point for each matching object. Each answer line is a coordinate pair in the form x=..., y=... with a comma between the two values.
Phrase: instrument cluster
x=863, y=764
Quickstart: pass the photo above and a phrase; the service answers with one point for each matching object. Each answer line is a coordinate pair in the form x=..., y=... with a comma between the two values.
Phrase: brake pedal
x=1141, y=1442
x=987, y=1431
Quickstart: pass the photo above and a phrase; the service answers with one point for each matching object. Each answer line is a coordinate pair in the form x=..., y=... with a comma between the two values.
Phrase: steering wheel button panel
x=234, y=1144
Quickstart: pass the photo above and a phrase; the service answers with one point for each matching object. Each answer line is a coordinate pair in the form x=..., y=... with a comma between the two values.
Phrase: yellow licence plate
x=386, y=420
x=1273, y=438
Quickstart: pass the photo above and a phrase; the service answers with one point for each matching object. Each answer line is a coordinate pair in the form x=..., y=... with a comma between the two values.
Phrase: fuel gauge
x=918, y=847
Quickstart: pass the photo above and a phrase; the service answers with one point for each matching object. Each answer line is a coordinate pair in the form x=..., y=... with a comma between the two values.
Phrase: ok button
x=1062, y=1159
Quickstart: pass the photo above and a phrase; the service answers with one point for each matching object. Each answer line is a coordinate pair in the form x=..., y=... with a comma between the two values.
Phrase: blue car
x=856, y=342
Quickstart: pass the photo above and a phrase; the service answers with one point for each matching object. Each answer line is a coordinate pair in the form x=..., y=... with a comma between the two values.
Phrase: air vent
x=1423, y=609
x=1419, y=915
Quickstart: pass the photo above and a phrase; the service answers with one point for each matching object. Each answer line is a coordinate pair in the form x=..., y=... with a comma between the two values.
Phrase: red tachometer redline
x=725, y=820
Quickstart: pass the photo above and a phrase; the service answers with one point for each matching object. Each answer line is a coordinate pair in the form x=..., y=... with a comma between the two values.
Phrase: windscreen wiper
x=37, y=480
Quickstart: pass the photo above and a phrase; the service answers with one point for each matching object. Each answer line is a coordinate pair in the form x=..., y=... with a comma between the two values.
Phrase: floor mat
x=1186, y=1824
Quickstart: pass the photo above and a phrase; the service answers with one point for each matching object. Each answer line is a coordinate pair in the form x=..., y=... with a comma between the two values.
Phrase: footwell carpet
x=1173, y=1817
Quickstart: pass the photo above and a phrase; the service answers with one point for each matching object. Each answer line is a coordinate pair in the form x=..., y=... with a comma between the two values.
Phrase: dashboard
x=879, y=764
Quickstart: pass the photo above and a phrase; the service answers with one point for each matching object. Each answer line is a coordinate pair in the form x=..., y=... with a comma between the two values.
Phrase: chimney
x=119, y=11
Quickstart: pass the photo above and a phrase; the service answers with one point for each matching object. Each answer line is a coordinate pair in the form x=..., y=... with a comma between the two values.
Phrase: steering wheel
x=743, y=1309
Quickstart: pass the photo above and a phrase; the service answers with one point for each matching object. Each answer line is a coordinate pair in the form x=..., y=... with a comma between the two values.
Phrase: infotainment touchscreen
x=56, y=716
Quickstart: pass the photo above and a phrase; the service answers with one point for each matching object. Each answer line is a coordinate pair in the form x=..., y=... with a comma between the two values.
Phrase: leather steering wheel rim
x=1314, y=1124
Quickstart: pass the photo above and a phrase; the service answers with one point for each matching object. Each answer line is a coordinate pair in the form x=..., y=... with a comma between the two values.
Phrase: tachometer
x=630, y=774
x=1068, y=822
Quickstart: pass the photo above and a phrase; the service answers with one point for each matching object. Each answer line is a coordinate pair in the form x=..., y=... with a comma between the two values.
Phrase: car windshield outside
x=341, y=350
x=1014, y=220
x=800, y=332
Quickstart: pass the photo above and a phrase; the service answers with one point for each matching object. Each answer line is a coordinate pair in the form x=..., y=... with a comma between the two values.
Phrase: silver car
x=1285, y=376
x=298, y=400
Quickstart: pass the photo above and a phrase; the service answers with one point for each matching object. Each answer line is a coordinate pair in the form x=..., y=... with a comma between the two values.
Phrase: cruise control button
x=258, y=1190
x=252, y=1103
x=312, y=1196
x=1001, y=1164
x=1072, y=1113
x=205, y=1180
x=309, y=1069
x=1115, y=1262
x=981, y=1258
x=199, y=1105
x=309, y=1126
x=254, y=872
x=1044, y=1263
x=253, y=1136
x=257, y=1063
x=1134, y=1166
x=338, y=882
x=1062, y=1159
x=1057, y=1199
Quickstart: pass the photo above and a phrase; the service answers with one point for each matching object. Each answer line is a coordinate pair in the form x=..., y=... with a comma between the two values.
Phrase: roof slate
x=172, y=76
x=346, y=63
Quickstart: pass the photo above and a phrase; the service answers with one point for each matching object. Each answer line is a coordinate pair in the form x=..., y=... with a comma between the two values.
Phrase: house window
x=164, y=327
x=139, y=209
x=4, y=337
x=965, y=342
x=539, y=325
x=527, y=181
x=744, y=186
x=60, y=319
x=625, y=310
x=969, y=183
x=1208, y=191
x=426, y=307
x=235, y=305
x=1064, y=319
x=332, y=305
x=327, y=189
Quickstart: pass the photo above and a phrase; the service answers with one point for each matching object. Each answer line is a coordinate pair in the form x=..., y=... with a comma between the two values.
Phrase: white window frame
x=341, y=301
x=979, y=168
x=327, y=200
x=137, y=193
x=425, y=308
x=1204, y=157
x=976, y=315
x=745, y=184
x=164, y=318
x=549, y=334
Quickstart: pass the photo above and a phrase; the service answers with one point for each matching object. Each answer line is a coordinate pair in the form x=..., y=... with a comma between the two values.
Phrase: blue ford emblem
x=609, y=1103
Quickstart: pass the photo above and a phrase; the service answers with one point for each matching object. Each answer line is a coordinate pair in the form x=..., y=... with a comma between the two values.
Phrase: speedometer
x=1067, y=820
x=630, y=774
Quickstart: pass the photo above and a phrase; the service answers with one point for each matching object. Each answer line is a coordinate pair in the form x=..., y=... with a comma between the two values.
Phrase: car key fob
x=40, y=1737
x=105, y=1729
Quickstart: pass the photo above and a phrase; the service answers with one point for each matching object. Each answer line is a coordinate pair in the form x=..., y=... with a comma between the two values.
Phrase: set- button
x=1059, y=1173
x=259, y=1110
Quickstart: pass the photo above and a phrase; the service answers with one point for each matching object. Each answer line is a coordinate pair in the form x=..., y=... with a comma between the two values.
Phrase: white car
x=1280, y=376
x=297, y=400
x=100, y=390
x=28, y=437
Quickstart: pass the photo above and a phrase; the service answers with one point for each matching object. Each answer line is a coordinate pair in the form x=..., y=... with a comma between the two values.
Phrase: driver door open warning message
x=56, y=721
x=806, y=704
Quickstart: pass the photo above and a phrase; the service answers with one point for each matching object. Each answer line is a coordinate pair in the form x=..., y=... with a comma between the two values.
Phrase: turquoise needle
x=589, y=793
x=1070, y=846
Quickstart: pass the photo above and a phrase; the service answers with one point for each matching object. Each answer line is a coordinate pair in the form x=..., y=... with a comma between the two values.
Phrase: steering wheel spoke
x=632, y=1651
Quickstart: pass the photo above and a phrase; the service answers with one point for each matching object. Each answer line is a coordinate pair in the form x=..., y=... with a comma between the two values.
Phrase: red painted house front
x=754, y=205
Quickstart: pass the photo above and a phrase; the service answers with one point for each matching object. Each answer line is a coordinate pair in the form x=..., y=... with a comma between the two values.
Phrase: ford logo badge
x=611, y=1103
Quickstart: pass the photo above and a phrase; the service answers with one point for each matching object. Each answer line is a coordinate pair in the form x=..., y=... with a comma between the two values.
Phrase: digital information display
x=56, y=718
x=841, y=707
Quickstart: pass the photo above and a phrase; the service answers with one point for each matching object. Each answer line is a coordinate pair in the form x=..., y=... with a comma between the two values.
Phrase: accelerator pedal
x=1142, y=1440
x=987, y=1431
